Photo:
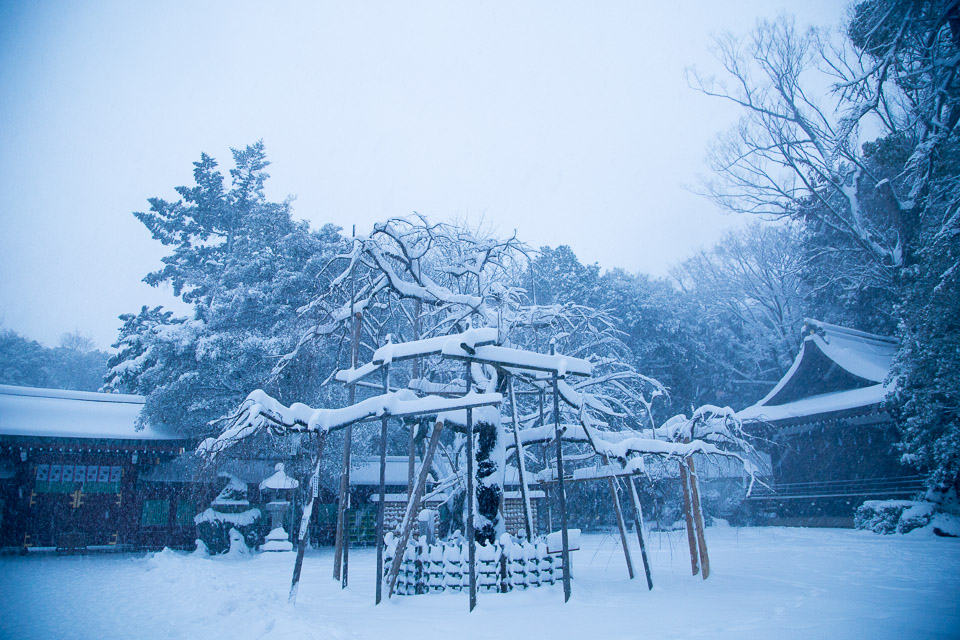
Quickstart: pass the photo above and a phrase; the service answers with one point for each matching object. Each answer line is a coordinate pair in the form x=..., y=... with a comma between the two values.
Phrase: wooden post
x=560, y=489
x=688, y=516
x=638, y=525
x=413, y=508
x=521, y=464
x=411, y=462
x=341, y=554
x=612, y=483
x=471, y=502
x=381, y=508
x=698, y=519
x=546, y=464
x=304, y=533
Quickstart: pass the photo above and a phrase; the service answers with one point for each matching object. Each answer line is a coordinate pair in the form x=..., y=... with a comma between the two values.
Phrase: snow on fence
x=506, y=565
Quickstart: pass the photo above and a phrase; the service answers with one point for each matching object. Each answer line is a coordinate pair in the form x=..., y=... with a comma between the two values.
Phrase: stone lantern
x=279, y=487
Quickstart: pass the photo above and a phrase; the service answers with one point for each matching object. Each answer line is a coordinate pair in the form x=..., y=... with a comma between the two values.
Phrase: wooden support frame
x=413, y=507
x=612, y=484
x=698, y=519
x=521, y=463
x=304, y=533
x=471, y=502
x=688, y=517
x=560, y=489
x=381, y=507
x=638, y=525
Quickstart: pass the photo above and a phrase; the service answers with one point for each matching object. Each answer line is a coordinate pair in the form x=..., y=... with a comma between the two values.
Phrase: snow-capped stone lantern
x=279, y=486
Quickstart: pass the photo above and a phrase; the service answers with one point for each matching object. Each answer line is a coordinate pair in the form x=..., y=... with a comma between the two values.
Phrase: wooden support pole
x=546, y=464
x=304, y=533
x=560, y=489
x=412, y=453
x=638, y=525
x=471, y=502
x=698, y=519
x=341, y=553
x=413, y=508
x=381, y=507
x=688, y=516
x=521, y=464
x=612, y=483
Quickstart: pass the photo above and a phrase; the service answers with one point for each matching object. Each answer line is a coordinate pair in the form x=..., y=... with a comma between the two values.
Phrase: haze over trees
x=75, y=363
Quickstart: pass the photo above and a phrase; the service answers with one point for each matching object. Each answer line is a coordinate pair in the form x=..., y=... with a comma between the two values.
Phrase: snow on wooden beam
x=517, y=359
x=260, y=411
x=470, y=338
x=417, y=349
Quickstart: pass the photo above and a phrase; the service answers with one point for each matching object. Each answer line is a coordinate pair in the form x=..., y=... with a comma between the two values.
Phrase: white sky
x=570, y=122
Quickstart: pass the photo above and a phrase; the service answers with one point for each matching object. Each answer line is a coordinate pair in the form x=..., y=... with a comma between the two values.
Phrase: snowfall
x=766, y=583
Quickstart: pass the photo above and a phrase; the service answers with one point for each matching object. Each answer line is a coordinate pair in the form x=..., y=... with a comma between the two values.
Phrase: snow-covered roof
x=57, y=413
x=815, y=405
x=837, y=369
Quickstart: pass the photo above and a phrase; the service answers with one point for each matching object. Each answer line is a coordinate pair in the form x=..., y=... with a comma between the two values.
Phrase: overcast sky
x=570, y=122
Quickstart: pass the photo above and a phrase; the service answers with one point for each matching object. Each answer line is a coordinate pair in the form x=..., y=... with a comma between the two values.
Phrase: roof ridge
x=811, y=324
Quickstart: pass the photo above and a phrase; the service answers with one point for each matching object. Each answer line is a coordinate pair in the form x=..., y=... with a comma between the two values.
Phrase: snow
x=242, y=519
x=55, y=413
x=521, y=359
x=555, y=541
x=766, y=583
x=432, y=346
x=277, y=540
x=260, y=410
x=279, y=480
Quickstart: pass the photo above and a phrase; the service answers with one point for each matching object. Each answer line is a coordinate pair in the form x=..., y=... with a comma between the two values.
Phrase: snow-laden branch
x=261, y=412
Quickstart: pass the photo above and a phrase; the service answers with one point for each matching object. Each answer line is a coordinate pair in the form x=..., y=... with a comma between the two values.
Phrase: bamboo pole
x=638, y=525
x=698, y=519
x=688, y=516
x=471, y=502
x=304, y=533
x=381, y=510
x=413, y=508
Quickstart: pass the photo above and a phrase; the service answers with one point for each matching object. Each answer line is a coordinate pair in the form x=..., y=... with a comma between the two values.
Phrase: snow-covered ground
x=766, y=583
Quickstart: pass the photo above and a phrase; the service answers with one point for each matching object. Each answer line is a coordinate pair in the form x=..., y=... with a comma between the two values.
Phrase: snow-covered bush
x=231, y=511
x=916, y=516
x=881, y=516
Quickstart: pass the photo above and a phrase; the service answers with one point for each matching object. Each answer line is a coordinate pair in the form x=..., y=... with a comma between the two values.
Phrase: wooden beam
x=304, y=533
x=521, y=464
x=563, y=496
x=381, y=506
x=688, y=517
x=620, y=524
x=471, y=504
x=698, y=520
x=638, y=525
x=413, y=507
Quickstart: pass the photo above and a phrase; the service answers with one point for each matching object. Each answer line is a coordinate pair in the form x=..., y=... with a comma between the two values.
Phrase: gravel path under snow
x=766, y=583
